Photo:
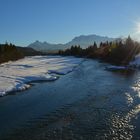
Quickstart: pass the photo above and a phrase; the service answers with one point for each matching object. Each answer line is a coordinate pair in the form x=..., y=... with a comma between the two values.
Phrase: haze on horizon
x=24, y=21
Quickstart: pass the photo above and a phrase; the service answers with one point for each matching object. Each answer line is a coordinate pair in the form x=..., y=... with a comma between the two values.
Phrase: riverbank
x=17, y=75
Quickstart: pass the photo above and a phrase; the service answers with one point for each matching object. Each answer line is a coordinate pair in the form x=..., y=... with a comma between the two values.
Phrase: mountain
x=46, y=47
x=84, y=41
x=87, y=40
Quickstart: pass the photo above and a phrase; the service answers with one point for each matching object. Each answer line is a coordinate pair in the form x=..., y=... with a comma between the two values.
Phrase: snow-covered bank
x=113, y=68
x=119, y=68
x=16, y=76
x=136, y=62
x=133, y=65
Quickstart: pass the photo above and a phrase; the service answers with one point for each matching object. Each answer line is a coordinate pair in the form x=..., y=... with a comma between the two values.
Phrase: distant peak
x=37, y=41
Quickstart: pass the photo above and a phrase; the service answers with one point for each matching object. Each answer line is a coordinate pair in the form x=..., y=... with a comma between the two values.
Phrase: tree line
x=9, y=52
x=116, y=52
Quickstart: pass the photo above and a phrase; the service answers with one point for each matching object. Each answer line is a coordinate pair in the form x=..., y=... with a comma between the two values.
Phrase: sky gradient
x=58, y=21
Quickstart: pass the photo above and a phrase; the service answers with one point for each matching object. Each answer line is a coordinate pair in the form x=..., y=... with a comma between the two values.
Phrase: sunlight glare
x=138, y=27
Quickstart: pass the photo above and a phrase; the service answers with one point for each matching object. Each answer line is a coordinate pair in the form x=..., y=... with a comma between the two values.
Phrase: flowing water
x=88, y=103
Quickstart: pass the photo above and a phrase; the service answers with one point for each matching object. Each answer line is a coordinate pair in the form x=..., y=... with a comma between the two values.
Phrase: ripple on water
x=85, y=120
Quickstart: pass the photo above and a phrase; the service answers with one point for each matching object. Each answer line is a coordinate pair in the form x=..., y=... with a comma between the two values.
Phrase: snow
x=136, y=62
x=17, y=75
x=114, y=68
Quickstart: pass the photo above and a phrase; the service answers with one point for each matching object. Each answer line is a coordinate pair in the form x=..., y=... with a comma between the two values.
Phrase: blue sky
x=58, y=21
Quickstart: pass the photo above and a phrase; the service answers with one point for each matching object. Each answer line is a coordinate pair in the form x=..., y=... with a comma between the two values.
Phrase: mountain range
x=84, y=41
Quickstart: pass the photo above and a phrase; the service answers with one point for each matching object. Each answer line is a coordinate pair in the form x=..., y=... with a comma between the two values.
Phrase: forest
x=118, y=52
x=9, y=52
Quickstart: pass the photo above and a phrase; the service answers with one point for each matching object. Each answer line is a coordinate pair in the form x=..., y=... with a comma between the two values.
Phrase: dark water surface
x=86, y=104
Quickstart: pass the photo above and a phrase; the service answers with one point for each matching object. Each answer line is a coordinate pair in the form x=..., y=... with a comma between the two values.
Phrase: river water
x=88, y=103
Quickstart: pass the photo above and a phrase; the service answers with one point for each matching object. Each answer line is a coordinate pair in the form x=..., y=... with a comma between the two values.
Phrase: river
x=88, y=103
